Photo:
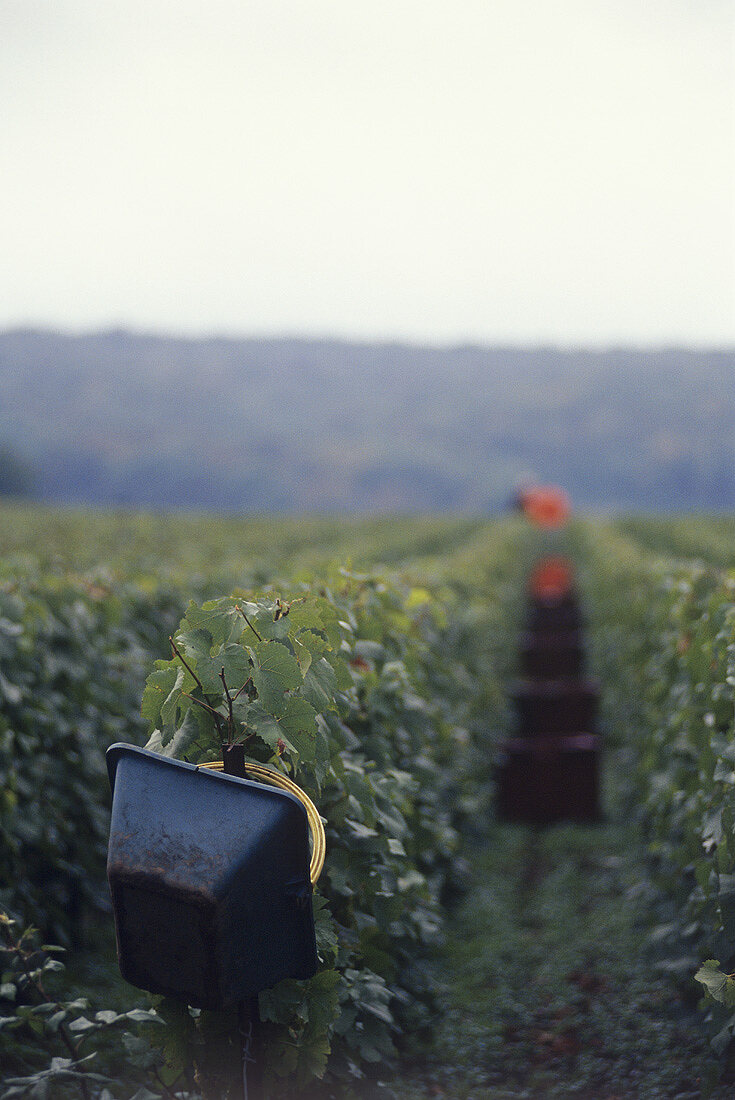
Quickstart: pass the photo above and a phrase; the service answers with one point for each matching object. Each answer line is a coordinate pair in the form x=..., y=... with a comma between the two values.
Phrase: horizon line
x=116, y=329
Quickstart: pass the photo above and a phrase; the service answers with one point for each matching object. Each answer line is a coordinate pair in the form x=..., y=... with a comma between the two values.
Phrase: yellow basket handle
x=276, y=779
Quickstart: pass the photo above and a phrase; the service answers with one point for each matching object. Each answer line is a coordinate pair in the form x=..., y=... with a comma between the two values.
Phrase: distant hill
x=285, y=424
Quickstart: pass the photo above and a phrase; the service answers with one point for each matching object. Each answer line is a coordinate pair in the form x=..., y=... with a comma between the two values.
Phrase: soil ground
x=549, y=987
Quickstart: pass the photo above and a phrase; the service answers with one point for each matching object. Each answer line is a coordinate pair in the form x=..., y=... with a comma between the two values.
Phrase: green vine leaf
x=275, y=672
x=295, y=726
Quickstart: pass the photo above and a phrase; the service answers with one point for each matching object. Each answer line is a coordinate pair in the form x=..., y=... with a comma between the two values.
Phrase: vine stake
x=248, y=1013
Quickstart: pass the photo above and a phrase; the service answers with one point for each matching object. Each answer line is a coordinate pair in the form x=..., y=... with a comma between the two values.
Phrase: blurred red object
x=545, y=505
x=551, y=579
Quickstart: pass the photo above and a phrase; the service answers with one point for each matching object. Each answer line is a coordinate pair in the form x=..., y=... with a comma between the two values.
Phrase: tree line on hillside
x=17, y=479
x=116, y=418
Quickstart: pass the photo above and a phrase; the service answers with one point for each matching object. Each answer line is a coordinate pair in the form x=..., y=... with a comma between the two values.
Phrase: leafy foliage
x=73, y=652
x=361, y=688
x=35, y=1022
x=674, y=641
x=384, y=695
x=296, y=683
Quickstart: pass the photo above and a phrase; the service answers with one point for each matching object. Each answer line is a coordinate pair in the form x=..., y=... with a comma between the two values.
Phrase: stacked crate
x=549, y=770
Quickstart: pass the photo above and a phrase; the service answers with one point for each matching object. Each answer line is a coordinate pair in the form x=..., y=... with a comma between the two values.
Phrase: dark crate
x=209, y=876
x=556, y=706
x=552, y=656
x=542, y=780
x=555, y=615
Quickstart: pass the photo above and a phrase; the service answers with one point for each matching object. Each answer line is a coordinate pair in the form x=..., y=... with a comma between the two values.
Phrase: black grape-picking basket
x=209, y=876
x=556, y=706
x=554, y=615
x=552, y=656
x=541, y=780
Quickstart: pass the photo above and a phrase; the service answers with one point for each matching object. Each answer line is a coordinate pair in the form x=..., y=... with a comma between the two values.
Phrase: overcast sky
x=492, y=170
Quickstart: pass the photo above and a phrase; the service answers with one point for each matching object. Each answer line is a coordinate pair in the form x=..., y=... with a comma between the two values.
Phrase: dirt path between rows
x=550, y=988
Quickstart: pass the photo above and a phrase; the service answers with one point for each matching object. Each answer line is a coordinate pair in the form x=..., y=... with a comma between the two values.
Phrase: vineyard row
x=401, y=678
